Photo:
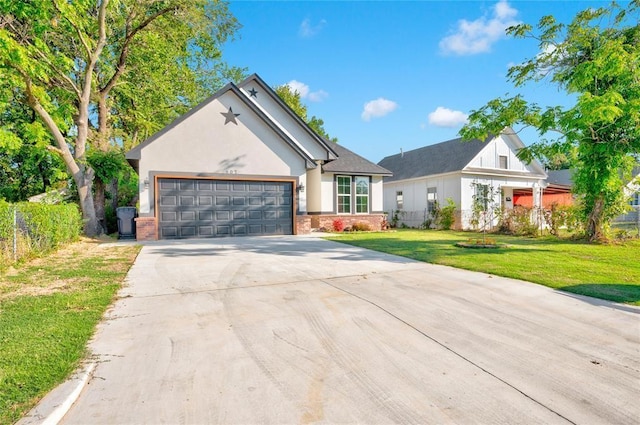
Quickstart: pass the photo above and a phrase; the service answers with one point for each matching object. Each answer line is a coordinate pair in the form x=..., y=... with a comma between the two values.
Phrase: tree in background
x=596, y=58
x=103, y=75
x=293, y=100
x=26, y=167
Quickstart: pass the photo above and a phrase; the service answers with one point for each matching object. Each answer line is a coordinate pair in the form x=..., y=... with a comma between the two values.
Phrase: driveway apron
x=302, y=330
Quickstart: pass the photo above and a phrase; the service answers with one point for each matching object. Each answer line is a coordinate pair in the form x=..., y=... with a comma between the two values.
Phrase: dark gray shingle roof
x=445, y=157
x=351, y=163
x=560, y=177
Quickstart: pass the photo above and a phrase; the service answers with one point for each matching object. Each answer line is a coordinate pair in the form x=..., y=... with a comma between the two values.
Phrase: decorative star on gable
x=230, y=116
x=253, y=92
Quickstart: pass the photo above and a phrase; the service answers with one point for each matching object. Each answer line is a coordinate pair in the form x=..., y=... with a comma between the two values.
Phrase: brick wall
x=303, y=224
x=146, y=229
x=326, y=221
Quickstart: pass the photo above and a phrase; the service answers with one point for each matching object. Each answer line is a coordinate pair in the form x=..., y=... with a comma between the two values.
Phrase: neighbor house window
x=344, y=194
x=635, y=200
x=503, y=160
x=362, y=195
x=399, y=200
x=432, y=199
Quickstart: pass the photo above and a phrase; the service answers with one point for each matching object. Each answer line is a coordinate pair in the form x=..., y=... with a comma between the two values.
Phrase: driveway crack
x=451, y=350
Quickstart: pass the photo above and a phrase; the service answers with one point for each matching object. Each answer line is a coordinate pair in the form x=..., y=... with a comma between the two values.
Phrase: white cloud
x=378, y=108
x=301, y=88
x=305, y=92
x=307, y=29
x=445, y=117
x=318, y=96
x=472, y=37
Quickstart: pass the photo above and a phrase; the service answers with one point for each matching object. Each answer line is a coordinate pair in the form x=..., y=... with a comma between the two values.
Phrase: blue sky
x=386, y=75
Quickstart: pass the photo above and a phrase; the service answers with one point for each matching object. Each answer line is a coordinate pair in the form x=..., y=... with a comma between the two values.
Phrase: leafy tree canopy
x=596, y=57
x=99, y=73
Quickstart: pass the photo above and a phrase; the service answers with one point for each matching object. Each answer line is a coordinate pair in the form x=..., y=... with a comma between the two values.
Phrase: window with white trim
x=399, y=200
x=344, y=194
x=503, y=161
x=635, y=200
x=362, y=195
x=432, y=199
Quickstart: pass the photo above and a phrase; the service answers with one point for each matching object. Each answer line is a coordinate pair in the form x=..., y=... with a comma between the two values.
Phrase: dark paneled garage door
x=198, y=208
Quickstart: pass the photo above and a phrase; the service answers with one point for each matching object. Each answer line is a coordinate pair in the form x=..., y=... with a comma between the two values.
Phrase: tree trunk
x=99, y=203
x=594, y=229
x=84, y=182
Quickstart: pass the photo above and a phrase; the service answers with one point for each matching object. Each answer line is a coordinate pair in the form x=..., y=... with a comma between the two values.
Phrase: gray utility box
x=126, y=222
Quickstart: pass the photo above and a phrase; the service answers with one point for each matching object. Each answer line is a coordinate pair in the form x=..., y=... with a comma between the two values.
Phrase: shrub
x=517, y=221
x=396, y=216
x=447, y=215
x=338, y=225
x=361, y=227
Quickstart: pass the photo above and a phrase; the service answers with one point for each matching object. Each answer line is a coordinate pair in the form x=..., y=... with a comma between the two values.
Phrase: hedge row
x=39, y=228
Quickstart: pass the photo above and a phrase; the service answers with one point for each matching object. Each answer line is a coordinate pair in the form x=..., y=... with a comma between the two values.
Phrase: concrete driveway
x=302, y=330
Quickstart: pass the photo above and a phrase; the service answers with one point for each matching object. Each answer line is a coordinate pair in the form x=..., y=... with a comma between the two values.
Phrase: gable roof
x=133, y=156
x=445, y=157
x=352, y=163
x=339, y=159
x=255, y=77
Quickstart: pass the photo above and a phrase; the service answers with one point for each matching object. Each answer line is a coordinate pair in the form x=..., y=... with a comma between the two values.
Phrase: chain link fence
x=27, y=229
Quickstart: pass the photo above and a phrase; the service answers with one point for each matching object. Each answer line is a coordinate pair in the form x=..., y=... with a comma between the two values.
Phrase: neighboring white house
x=455, y=169
x=243, y=163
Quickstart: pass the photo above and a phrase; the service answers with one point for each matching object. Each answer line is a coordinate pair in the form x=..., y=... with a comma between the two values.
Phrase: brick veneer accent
x=303, y=224
x=326, y=221
x=146, y=229
x=146, y=226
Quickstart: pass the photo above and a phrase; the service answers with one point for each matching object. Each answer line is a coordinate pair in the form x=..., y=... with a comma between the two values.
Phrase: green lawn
x=610, y=272
x=49, y=309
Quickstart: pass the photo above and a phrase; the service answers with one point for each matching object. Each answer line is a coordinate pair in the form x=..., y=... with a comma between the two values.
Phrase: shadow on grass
x=433, y=251
x=620, y=293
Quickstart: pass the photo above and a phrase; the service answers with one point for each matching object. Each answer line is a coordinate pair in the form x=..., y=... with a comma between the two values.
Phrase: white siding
x=489, y=156
x=414, y=193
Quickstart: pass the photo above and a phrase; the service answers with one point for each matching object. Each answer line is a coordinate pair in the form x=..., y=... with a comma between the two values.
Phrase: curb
x=52, y=408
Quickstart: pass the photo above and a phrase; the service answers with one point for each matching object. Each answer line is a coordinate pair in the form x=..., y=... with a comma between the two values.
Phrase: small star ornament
x=253, y=93
x=229, y=116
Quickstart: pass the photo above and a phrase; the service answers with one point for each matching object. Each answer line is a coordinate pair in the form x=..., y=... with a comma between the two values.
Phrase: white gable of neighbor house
x=484, y=168
x=489, y=156
x=204, y=144
x=285, y=121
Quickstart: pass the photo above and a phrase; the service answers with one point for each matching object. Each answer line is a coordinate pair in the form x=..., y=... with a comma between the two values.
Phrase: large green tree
x=596, y=59
x=293, y=99
x=104, y=74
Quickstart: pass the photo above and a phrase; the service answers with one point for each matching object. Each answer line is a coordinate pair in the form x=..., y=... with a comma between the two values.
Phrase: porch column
x=314, y=189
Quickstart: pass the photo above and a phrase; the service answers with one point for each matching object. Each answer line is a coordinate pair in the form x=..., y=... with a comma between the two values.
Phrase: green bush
x=517, y=221
x=447, y=215
x=39, y=228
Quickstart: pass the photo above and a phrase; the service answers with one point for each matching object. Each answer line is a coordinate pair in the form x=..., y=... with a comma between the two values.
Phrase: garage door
x=199, y=208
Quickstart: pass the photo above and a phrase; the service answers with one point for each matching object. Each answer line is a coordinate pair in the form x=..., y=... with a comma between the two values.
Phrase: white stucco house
x=454, y=169
x=243, y=163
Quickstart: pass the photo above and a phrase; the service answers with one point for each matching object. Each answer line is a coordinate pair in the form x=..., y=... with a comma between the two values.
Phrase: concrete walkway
x=301, y=330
